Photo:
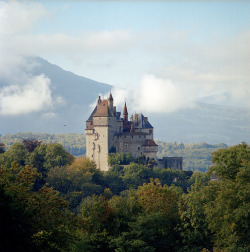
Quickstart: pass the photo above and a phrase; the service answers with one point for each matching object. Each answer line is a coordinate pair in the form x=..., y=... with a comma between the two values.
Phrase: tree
x=44, y=220
x=56, y=155
x=97, y=216
x=15, y=153
x=2, y=147
x=136, y=174
x=15, y=224
x=30, y=144
x=77, y=181
x=227, y=162
x=193, y=226
x=227, y=208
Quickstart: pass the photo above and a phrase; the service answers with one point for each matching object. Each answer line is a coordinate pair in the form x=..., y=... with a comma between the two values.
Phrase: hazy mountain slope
x=72, y=87
x=204, y=123
x=77, y=94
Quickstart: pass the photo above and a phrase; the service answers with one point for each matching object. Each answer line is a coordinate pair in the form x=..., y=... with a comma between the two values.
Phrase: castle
x=106, y=131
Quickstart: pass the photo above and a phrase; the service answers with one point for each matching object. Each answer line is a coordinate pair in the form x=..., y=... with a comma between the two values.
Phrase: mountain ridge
x=204, y=123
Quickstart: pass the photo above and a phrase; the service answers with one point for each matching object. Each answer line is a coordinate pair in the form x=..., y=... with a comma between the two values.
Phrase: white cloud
x=16, y=17
x=181, y=69
x=156, y=95
x=31, y=97
x=162, y=95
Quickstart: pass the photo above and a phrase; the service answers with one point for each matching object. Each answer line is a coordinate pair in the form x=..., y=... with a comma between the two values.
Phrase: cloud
x=155, y=95
x=177, y=66
x=162, y=95
x=17, y=40
x=35, y=95
x=17, y=18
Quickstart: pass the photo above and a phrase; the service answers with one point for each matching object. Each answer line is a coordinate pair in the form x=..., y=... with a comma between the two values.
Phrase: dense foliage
x=51, y=201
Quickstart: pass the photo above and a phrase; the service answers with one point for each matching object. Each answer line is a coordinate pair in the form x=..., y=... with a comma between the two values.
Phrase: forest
x=196, y=157
x=53, y=201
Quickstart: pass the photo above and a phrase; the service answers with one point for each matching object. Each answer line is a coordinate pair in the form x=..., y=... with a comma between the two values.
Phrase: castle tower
x=100, y=128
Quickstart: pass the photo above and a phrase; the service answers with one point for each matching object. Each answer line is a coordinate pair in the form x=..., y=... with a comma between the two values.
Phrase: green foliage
x=77, y=181
x=15, y=153
x=227, y=211
x=193, y=227
x=227, y=162
x=44, y=221
x=133, y=207
x=120, y=158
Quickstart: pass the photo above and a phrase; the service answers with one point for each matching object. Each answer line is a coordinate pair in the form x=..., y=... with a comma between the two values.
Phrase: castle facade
x=109, y=131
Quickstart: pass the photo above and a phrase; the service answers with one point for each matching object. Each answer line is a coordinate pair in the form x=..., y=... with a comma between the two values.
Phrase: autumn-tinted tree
x=77, y=181
x=30, y=144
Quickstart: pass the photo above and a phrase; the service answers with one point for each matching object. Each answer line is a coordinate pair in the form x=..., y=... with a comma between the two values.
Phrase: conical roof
x=110, y=97
x=125, y=111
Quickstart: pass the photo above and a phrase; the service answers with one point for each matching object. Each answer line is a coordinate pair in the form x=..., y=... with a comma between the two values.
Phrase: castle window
x=150, y=131
x=138, y=148
x=126, y=145
x=132, y=136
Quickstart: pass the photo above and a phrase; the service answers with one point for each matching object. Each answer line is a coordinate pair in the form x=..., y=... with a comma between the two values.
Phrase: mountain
x=203, y=123
x=77, y=93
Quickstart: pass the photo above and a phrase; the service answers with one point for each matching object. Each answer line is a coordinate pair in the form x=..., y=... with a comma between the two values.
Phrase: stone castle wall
x=170, y=162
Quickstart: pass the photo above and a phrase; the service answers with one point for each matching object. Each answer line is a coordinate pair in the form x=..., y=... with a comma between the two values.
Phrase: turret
x=125, y=115
x=99, y=100
x=110, y=101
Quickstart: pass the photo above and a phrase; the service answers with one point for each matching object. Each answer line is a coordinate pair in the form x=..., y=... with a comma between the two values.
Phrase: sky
x=160, y=55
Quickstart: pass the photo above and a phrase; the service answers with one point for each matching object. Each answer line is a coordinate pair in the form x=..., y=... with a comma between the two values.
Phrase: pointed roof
x=92, y=114
x=102, y=109
x=110, y=97
x=125, y=111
